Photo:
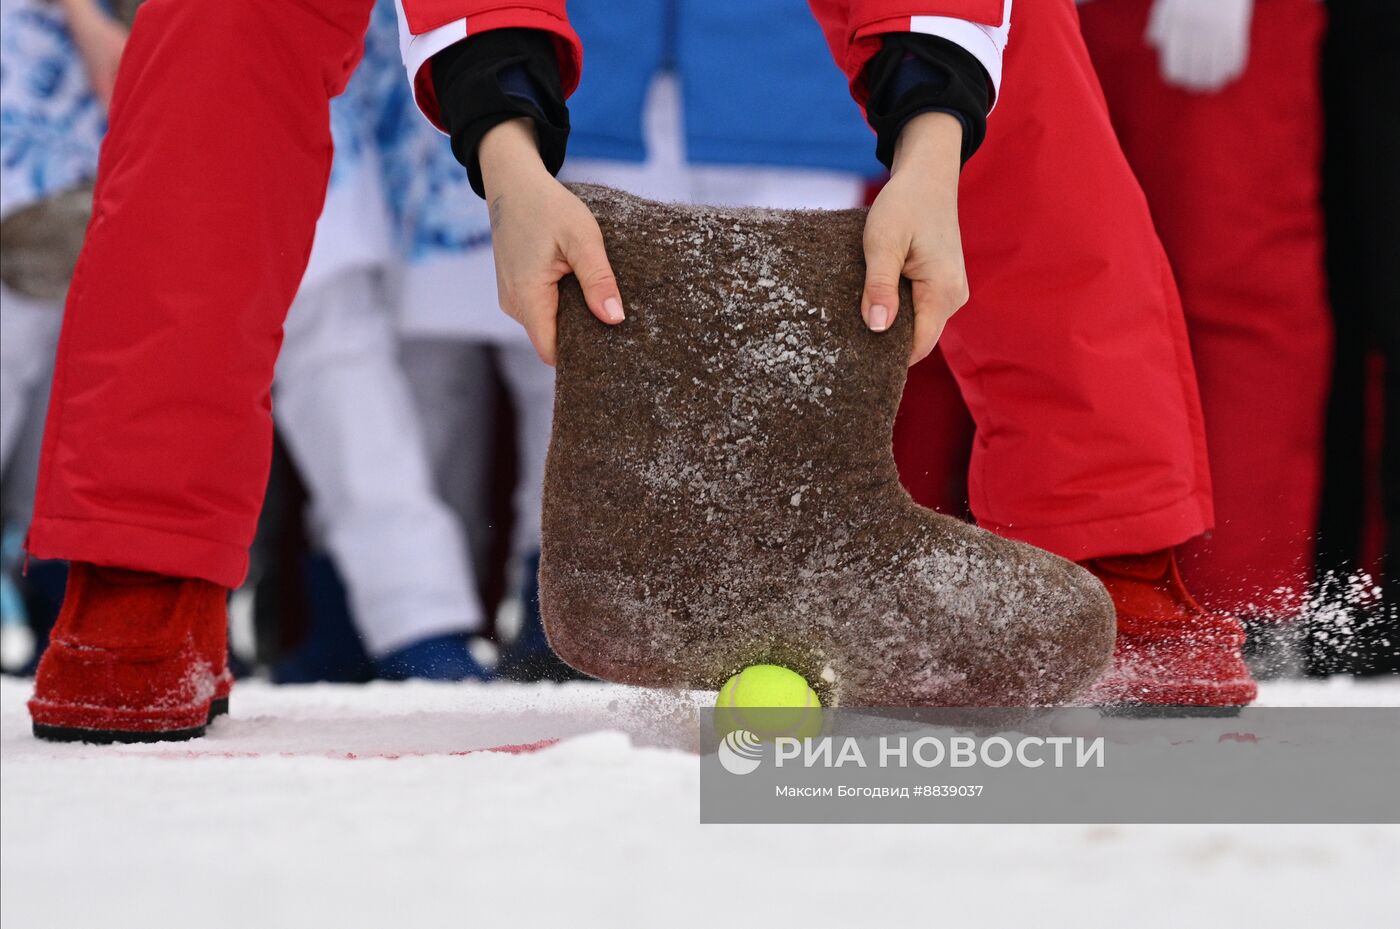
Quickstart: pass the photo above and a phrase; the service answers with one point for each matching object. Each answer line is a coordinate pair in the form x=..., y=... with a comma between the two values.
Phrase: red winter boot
x=1172, y=655
x=133, y=657
x=211, y=641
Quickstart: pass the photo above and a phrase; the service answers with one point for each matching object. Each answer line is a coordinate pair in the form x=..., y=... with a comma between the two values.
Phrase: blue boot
x=330, y=648
x=440, y=658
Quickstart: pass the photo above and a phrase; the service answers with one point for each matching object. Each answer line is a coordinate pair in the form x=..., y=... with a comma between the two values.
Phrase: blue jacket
x=757, y=82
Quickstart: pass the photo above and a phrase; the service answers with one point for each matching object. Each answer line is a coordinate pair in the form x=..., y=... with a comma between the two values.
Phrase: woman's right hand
x=540, y=232
x=912, y=231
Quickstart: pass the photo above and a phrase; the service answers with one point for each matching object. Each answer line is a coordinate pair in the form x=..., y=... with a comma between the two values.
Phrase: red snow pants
x=1072, y=355
x=1233, y=181
x=159, y=433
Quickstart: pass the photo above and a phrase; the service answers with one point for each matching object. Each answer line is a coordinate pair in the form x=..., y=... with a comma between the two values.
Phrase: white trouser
x=28, y=340
x=348, y=419
x=452, y=383
x=530, y=383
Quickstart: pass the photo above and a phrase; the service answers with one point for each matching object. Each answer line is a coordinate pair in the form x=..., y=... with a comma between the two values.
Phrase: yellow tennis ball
x=769, y=701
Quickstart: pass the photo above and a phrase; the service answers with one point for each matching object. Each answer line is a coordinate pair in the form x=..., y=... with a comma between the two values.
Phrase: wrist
x=509, y=152
x=931, y=144
x=913, y=74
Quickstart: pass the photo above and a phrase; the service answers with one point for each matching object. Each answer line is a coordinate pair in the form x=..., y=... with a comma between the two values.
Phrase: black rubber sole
x=217, y=708
x=1168, y=711
x=110, y=736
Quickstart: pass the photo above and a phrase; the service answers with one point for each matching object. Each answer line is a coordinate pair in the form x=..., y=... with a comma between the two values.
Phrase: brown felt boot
x=721, y=492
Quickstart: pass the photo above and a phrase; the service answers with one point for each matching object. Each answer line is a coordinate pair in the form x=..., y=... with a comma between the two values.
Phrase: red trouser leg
x=211, y=179
x=1233, y=181
x=932, y=438
x=1072, y=355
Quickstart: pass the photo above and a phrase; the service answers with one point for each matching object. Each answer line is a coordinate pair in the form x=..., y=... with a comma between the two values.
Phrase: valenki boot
x=133, y=657
x=720, y=489
x=1173, y=656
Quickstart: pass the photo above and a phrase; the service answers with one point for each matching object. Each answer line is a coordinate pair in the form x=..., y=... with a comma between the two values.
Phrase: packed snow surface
x=370, y=806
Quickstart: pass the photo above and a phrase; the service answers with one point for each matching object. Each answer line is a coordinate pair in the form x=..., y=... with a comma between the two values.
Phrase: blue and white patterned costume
x=51, y=125
x=447, y=282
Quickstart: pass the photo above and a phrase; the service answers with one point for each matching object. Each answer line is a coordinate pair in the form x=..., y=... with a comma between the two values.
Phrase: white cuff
x=417, y=49
x=985, y=43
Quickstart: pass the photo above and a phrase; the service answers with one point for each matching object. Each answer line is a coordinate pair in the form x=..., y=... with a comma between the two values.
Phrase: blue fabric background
x=758, y=83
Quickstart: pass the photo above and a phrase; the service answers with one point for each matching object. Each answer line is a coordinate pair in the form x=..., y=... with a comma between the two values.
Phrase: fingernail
x=613, y=308
x=879, y=318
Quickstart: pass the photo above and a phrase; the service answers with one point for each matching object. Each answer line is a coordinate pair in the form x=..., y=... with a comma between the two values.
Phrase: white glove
x=1203, y=44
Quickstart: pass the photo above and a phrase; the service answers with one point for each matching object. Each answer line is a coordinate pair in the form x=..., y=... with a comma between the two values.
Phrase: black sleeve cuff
x=913, y=73
x=495, y=76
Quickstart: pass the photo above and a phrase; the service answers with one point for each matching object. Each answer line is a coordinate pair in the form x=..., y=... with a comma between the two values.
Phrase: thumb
x=538, y=307
x=587, y=258
x=884, y=262
x=930, y=316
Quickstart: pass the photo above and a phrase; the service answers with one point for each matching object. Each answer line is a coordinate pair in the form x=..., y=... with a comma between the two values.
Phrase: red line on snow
x=522, y=748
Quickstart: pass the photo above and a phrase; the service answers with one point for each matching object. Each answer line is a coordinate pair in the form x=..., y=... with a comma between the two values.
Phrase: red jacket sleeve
x=426, y=27
x=853, y=27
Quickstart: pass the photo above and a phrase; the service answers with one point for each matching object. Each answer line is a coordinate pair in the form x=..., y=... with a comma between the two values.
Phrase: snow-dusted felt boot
x=133, y=657
x=720, y=489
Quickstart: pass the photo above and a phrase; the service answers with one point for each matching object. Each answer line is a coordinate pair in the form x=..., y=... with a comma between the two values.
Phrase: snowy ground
x=367, y=806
